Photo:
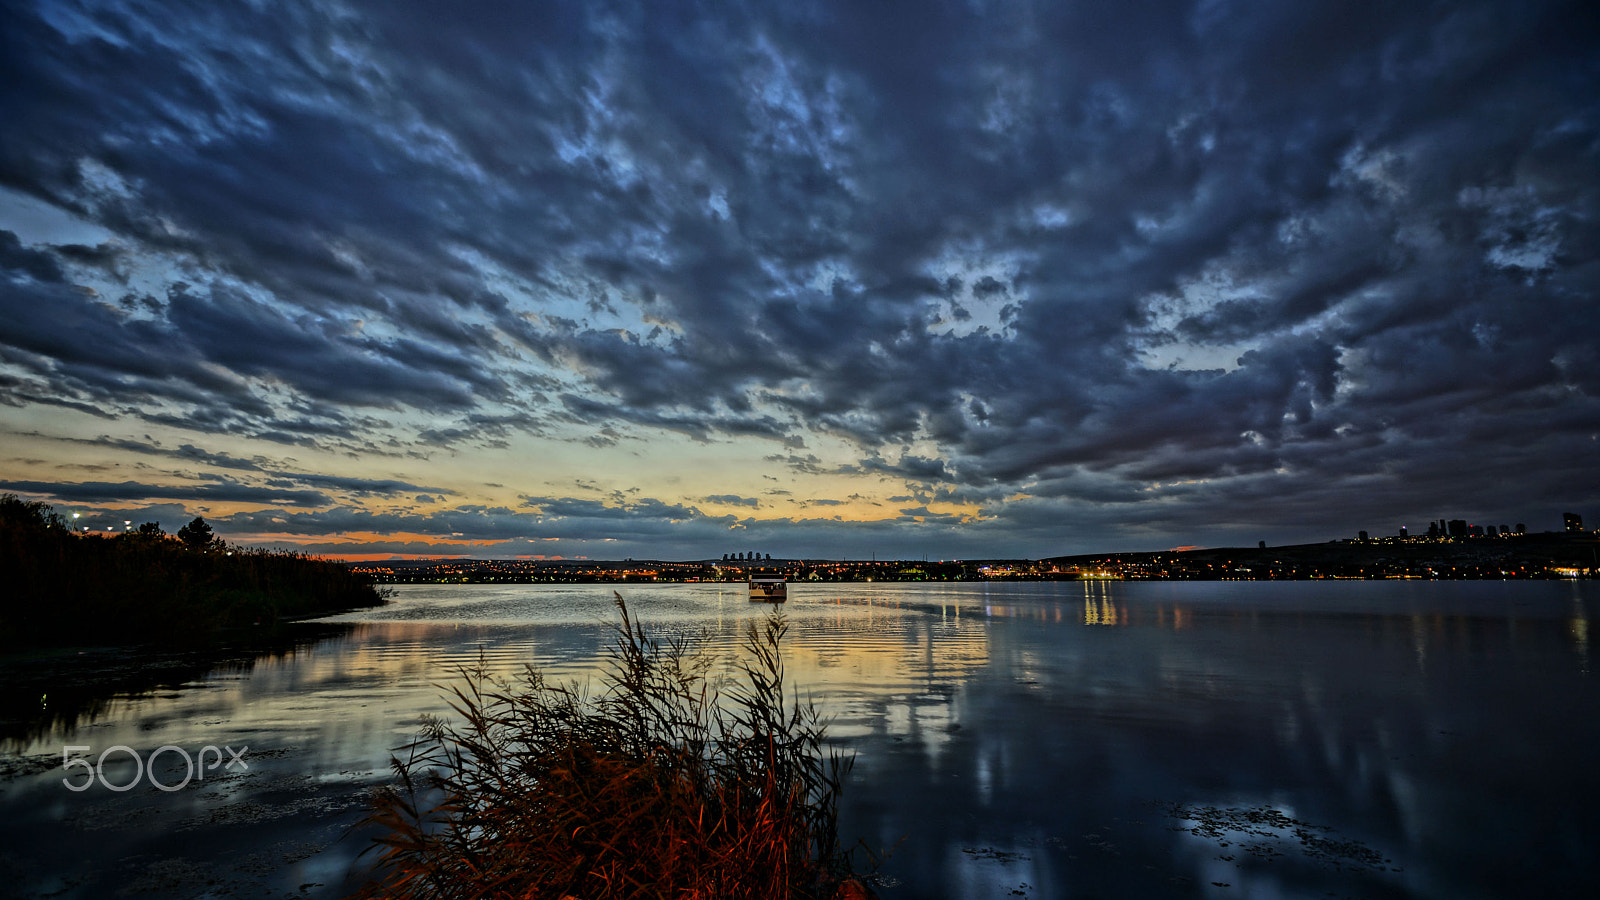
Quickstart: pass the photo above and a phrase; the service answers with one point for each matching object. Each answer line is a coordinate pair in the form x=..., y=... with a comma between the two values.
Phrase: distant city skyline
x=943, y=280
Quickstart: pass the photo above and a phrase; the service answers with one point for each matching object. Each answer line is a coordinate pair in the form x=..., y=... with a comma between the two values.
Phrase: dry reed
x=662, y=785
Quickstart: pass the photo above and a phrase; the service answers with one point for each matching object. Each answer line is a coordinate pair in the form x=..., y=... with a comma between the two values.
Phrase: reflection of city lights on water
x=1579, y=626
x=1419, y=641
x=1099, y=611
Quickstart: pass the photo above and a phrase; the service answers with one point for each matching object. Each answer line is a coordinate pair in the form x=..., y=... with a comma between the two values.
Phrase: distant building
x=1573, y=522
x=1361, y=535
x=1522, y=528
x=1458, y=528
x=1403, y=532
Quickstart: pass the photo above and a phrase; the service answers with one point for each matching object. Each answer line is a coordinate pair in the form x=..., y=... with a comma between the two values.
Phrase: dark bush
x=66, y=588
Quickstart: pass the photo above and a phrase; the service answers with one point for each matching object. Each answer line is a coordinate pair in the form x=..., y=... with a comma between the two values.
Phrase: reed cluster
x=669, y=782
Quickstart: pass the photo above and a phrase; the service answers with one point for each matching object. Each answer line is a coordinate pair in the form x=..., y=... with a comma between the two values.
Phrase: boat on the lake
x=768, y=590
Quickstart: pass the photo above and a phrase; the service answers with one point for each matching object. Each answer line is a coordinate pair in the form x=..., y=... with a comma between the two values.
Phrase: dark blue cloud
x=113, y=492
x=983, y=241
x=733, y=500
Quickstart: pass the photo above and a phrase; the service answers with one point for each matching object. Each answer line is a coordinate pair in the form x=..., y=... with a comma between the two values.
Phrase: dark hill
x=1544, y=555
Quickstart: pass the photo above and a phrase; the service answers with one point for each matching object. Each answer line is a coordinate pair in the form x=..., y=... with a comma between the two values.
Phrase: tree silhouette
x=197, y=534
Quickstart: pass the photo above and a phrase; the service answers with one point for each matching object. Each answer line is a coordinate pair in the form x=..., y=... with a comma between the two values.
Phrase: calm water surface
x=1361, y=739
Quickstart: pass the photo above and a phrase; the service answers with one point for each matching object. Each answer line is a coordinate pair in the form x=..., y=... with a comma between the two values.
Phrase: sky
x=897, y=279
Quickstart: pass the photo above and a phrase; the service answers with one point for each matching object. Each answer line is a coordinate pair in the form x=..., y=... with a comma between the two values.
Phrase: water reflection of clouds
x=876, y=665
x=997, y=726
x=889, y=678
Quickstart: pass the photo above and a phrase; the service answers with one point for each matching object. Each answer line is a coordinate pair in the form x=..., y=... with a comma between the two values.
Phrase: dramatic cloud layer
x=957, y=278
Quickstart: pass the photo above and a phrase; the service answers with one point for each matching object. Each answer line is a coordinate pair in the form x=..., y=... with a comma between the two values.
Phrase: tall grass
x=666, y=784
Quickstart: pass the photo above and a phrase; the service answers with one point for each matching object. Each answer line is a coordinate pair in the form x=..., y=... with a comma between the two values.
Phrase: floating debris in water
x=1235, y=824
x=1000, y=856
x=14, y=767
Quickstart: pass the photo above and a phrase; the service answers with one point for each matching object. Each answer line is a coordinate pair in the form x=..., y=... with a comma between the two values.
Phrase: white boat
x=769, y=590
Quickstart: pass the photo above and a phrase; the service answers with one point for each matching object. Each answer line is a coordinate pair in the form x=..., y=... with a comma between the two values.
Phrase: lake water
x=1072, y=739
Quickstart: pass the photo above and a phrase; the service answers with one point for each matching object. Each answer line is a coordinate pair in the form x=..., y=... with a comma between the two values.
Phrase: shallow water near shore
x=1071, y=739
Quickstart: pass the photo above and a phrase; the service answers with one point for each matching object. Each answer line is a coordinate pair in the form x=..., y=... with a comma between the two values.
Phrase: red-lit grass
x=661, y=786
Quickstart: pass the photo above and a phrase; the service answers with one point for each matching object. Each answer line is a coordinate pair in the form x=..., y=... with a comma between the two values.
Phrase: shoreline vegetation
x=672, y=781
x=146, y=586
